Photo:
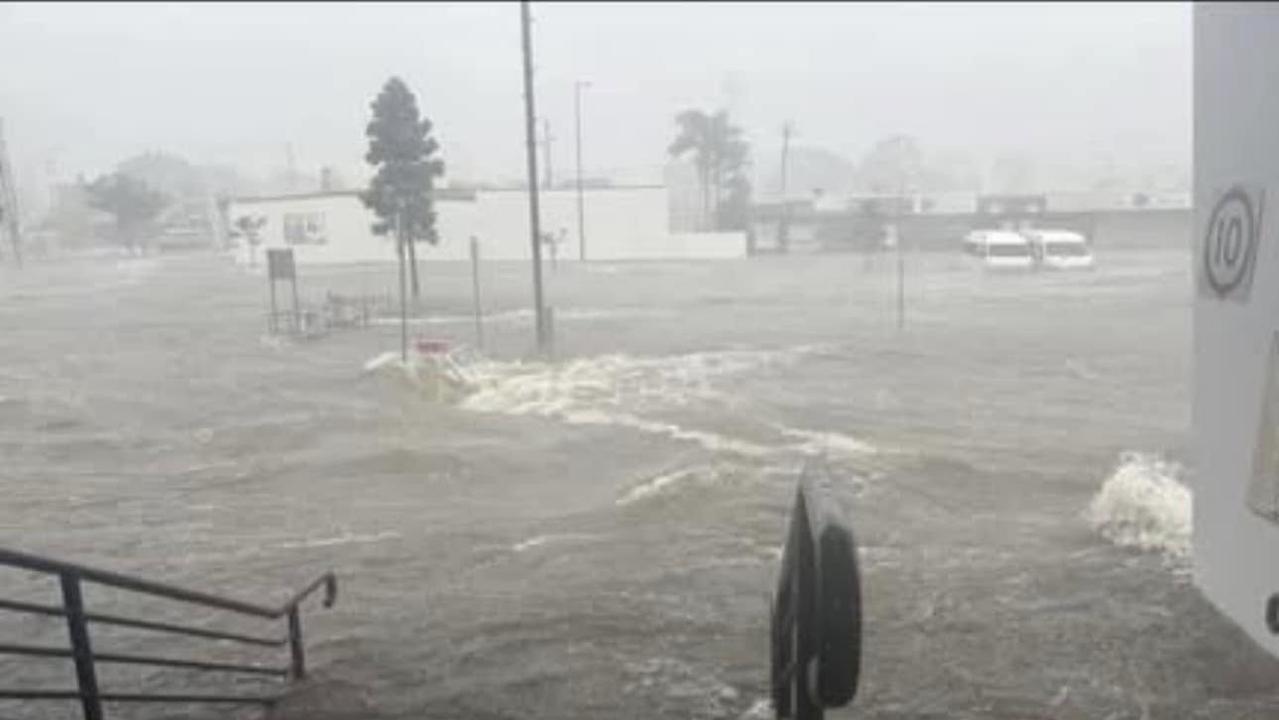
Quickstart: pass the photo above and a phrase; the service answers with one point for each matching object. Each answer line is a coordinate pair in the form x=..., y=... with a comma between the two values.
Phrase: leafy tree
x=132, y=202
x=721, y=157
x=403, y=151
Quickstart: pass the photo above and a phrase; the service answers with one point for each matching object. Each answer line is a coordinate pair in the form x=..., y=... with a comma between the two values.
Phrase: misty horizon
x=239, y=86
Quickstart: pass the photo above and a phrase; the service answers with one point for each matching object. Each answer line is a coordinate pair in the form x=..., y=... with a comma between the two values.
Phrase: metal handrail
x=72, y=576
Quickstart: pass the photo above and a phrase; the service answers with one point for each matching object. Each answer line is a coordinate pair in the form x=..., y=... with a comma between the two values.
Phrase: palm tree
x=719, y=154
x=695, y=136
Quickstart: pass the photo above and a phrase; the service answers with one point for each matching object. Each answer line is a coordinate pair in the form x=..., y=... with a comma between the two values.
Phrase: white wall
x=622, y=223
x=1236, y=111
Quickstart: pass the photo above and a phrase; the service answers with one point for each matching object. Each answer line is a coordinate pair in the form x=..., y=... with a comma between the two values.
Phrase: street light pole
x=581, y=213
x=783, y=227
x=900, y=236
x=547, y=139
x=530, y=142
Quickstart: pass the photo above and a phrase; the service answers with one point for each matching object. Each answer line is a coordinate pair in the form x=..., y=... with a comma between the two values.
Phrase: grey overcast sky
x=83, y=86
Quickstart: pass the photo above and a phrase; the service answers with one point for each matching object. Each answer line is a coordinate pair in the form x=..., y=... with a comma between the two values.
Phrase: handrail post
x=86, y=677
x=298, y=668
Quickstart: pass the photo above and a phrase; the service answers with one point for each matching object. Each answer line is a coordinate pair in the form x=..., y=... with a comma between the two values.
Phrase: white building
x=621, y=223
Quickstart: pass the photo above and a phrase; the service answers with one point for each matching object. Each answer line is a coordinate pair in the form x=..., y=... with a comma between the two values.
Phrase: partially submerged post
x=280, y=266
x=901, y=257
x=404, y=310
x=475, y=292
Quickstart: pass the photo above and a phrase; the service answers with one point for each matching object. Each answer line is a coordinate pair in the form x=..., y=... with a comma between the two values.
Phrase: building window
x=304, y=229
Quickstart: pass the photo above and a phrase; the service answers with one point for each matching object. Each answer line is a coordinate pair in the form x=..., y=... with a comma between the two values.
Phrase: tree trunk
x=716, y=195
x=704, y=179
x=413, y=283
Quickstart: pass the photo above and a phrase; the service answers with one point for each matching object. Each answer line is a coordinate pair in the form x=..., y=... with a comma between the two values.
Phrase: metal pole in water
x=273, y=323
x=581, y=214
x=530, y=142
x=901, y=281
x=475, y=292
x=901, y=257
x=783, y=226
x=404, y=310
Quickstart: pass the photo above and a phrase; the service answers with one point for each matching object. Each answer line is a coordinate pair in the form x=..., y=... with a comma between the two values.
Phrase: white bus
x=999, y=250
x=1060, y=249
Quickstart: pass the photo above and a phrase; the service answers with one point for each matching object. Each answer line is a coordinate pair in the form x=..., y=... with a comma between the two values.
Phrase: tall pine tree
x=404, y=153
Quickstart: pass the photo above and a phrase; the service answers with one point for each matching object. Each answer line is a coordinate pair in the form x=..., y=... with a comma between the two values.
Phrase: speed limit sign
x=1228, y=250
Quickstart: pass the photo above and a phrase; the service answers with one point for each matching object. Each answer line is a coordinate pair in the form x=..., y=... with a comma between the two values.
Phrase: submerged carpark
x=442, y=433
x=600, y=535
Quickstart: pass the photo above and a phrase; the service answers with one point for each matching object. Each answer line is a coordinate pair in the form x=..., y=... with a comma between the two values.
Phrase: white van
x=999, y=250
x=1060, y=249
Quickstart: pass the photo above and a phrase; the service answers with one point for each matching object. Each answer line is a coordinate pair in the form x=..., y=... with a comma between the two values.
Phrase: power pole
x=9, y=201
x=546, y=151
x=783, y=227
x=530, y=143
x=581, y=212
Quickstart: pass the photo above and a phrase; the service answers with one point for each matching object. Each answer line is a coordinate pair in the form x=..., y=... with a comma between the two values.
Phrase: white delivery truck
x=999, y=250
x=1060, y=249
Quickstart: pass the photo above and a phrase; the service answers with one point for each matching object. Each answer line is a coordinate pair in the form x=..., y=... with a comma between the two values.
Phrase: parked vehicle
x=999, y=250
x=1060, y=249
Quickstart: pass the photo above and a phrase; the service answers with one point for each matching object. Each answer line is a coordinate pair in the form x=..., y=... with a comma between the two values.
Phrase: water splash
x=625, y=391
x=1144, y=505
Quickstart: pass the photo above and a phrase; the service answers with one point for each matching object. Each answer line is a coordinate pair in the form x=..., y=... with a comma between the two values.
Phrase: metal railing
x=816, y=615
x=72, y=577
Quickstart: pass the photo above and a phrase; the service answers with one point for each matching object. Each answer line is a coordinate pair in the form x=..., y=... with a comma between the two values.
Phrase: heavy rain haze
x=332, y=388
x=1079, y=89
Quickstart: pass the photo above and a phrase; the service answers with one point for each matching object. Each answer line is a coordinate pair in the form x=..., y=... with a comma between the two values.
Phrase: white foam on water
x=343, y=539
x=828, y=443
x=386, y=359
x=525, y=316
x=619, y=390
x=658, y=485
x=761, y=709
x=1144, y=505
x=540, y=540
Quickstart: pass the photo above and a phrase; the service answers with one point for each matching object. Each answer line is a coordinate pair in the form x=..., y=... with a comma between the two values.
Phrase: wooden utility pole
x=783, y=226
x=530, y=143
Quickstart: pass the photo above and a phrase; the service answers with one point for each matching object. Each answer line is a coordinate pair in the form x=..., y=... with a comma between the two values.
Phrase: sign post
x=404, y=310
x=280, y=266
x=475, y=292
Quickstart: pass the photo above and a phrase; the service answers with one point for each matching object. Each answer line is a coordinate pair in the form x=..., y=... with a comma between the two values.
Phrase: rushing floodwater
x=598, y=536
